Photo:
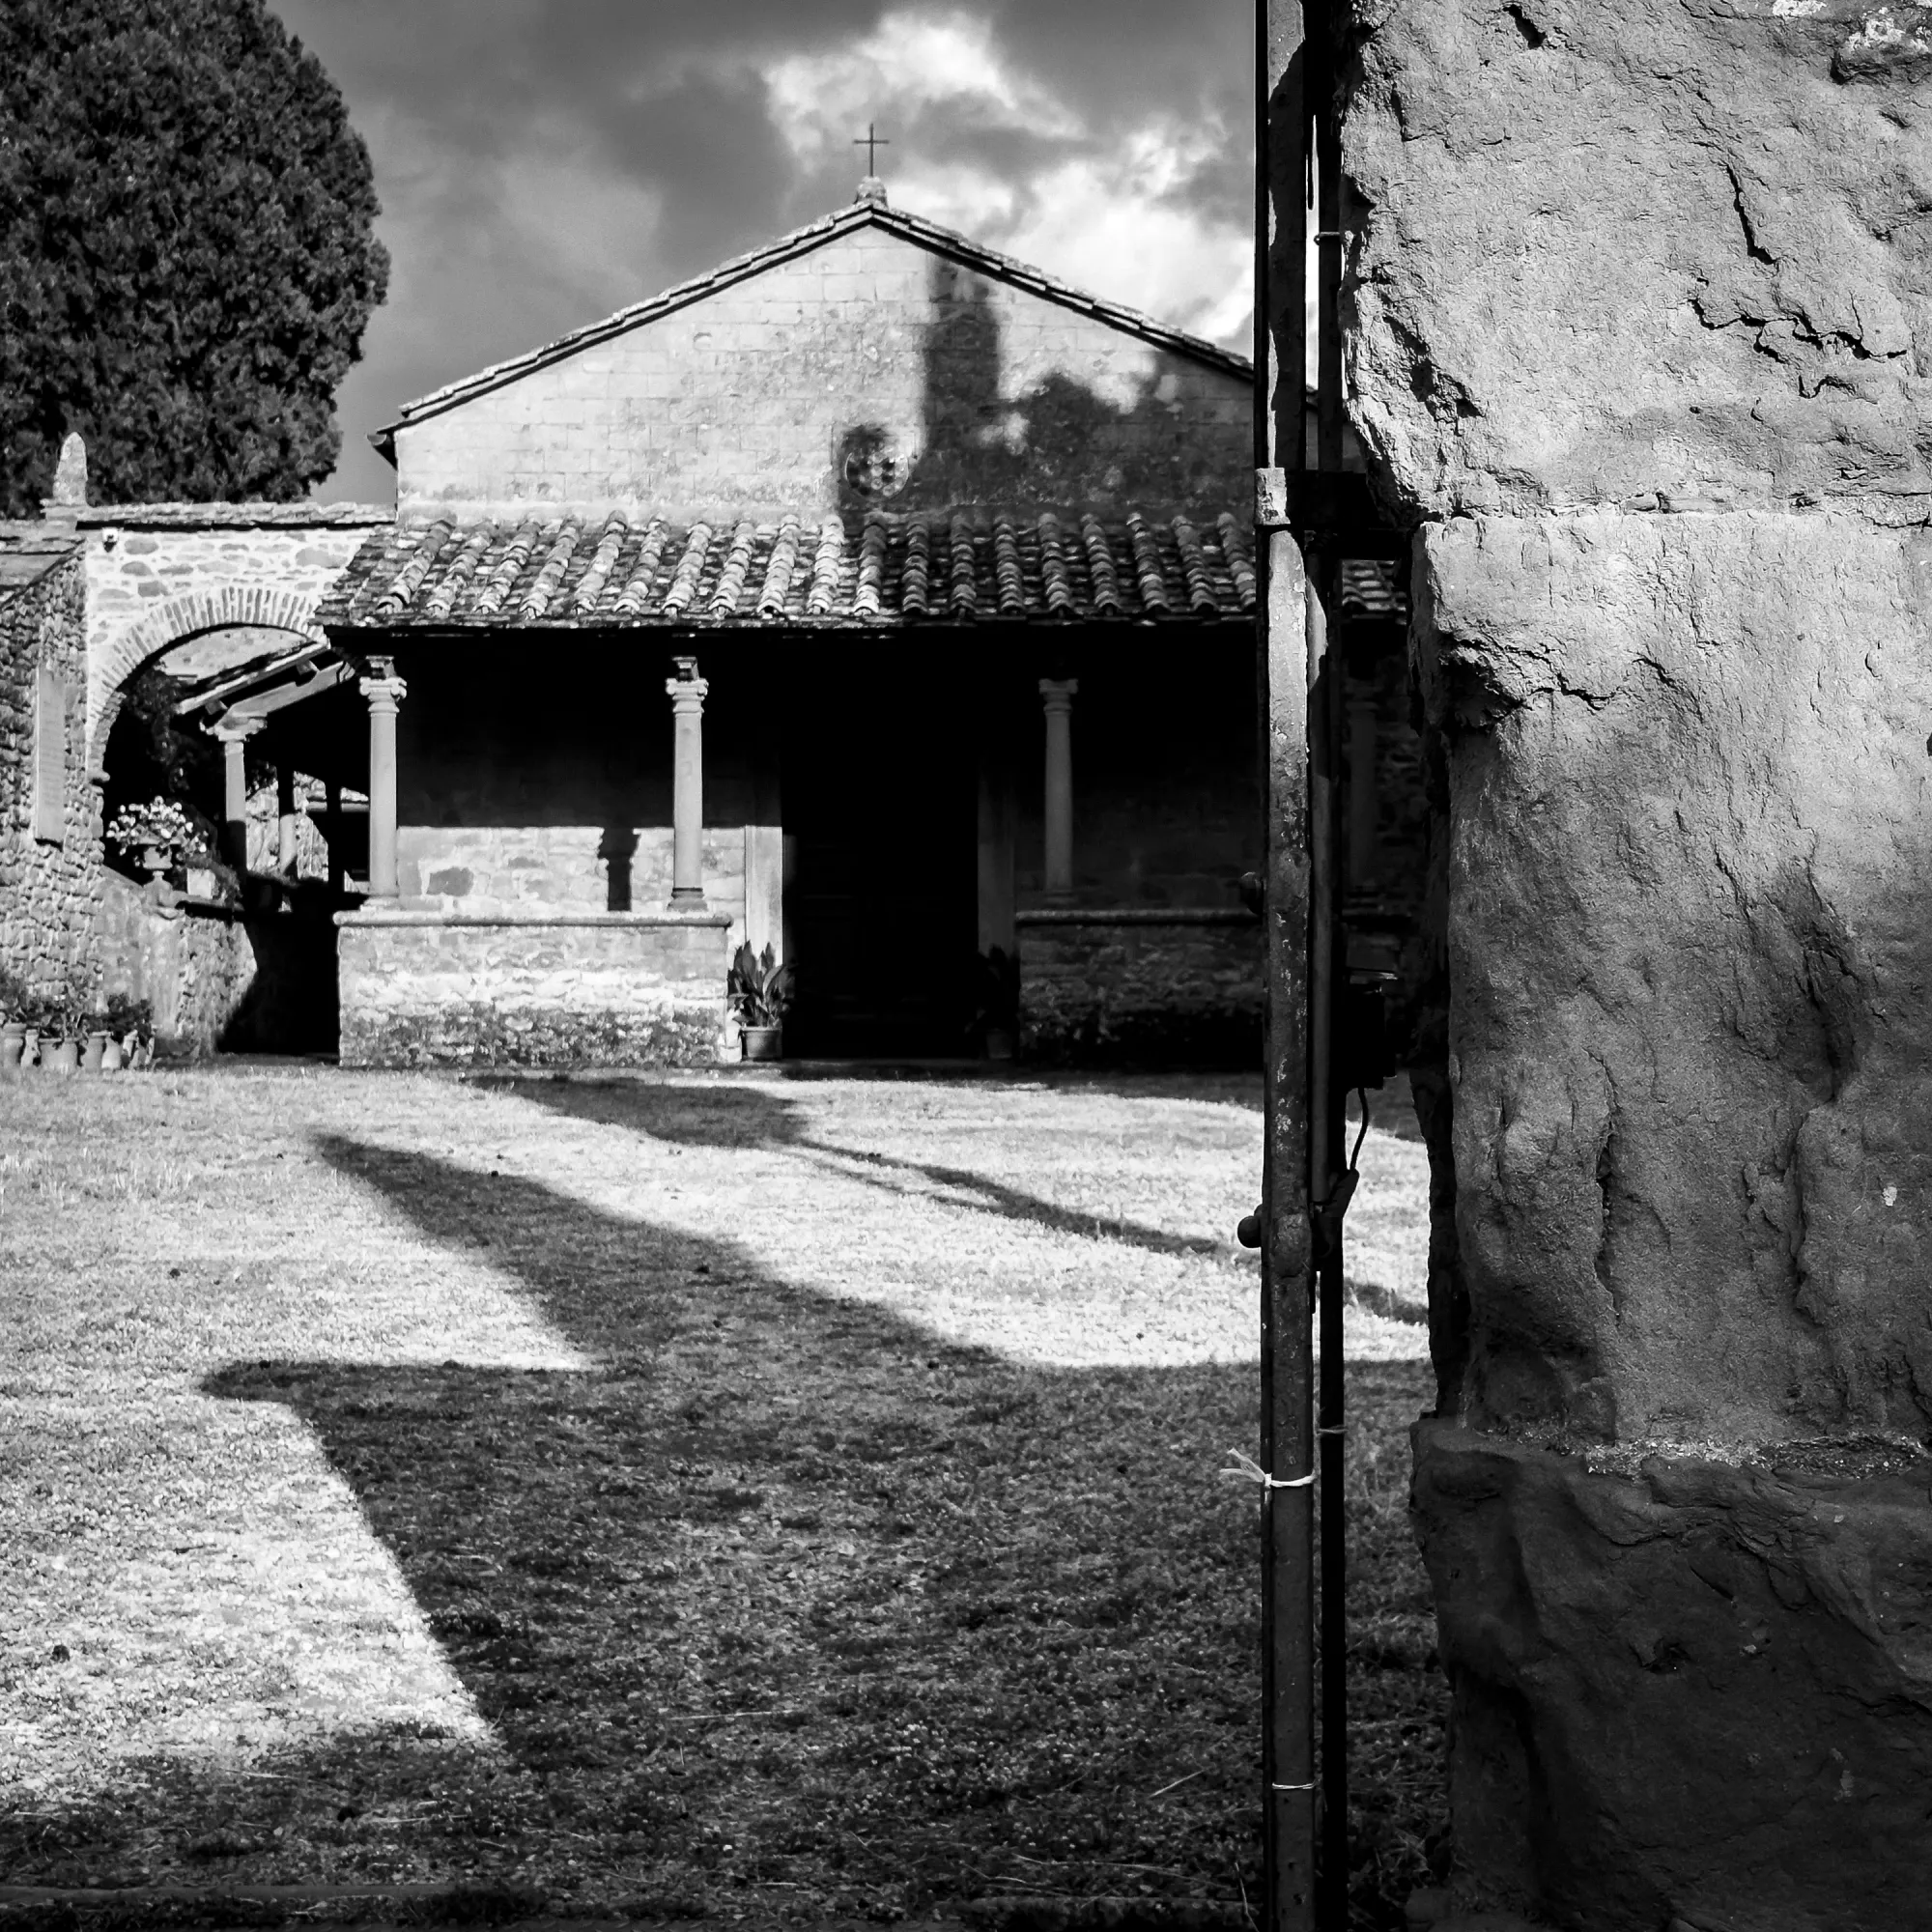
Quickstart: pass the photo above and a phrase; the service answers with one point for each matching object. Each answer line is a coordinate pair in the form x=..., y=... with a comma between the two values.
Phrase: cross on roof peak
x=871, y=140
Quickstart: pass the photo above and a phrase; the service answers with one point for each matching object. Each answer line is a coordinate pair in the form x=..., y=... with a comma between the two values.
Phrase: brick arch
x=187, y=616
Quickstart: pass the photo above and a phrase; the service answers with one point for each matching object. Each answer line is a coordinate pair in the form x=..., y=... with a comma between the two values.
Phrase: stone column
x=288, y=830
x=233, y=733
x=383, y=691
x=687, y=811
x=1058, y=693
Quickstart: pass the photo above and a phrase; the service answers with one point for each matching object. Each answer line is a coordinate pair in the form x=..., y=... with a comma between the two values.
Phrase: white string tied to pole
x=1251, y=1471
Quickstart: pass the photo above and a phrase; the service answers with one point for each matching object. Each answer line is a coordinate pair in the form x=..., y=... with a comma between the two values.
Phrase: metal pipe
x=1328, y=1187
x=1287, y=1279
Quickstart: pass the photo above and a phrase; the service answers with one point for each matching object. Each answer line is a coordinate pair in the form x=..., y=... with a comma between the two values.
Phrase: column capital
x=234, y=729
x=687, y=691
x=381, y=686
x=1059, y=692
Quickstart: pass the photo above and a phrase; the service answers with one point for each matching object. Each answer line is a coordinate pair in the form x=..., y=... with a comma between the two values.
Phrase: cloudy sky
x=542, y=163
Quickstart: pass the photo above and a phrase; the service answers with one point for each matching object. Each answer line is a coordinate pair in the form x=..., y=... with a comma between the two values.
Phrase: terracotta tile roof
x=1373, y=587
x=878, y=569
x=802, y=241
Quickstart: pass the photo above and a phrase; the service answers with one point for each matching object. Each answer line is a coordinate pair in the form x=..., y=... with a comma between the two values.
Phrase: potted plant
x=130, y=1030
x=996, y=1017
x=159, y=830
x=60, y=1052
x=13, y=1021
x=759, y=990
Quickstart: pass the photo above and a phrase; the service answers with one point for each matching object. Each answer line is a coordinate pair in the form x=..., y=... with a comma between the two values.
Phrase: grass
x=691, y=1498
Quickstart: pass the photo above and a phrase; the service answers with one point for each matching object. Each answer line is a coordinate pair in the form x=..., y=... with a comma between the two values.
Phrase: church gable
x=886, y=366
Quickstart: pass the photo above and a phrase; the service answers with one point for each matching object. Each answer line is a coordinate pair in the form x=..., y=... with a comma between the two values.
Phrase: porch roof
x=879, y=569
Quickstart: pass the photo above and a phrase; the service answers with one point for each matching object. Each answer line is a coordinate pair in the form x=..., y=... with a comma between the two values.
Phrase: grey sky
x=542, y=163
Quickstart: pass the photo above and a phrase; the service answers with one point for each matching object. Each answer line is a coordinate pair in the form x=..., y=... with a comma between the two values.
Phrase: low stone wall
x=603, y=989
x=217, y=979
x=1152, y=984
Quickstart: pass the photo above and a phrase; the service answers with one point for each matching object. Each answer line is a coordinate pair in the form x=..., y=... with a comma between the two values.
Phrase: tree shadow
x=781, y=1604
x=783, y=1577
x=747, y=1115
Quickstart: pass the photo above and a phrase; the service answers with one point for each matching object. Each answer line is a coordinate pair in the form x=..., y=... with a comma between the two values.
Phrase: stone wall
x=869, y=353
x=613, y=990
x=1179, y=988
x=527, y=868
x=160, y=571
x=48, y=889
x=1640, y=332
x=217, y=980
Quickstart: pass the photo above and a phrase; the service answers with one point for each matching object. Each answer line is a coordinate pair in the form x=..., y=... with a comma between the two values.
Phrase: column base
x=687, y=898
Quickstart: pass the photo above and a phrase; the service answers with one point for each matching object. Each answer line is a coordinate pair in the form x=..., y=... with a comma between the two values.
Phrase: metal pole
x=1287, y=1280
x=1328, y=1106
x=1328, y=1187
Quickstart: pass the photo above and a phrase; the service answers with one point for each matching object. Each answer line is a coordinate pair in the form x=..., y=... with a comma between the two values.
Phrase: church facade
x=873, y=598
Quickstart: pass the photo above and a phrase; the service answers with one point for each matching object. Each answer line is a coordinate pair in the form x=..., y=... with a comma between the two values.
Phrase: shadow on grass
x=735, y=1115
x=786, y=1606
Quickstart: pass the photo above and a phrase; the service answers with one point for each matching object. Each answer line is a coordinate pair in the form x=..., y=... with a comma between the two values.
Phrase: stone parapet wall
x=49, y=890
x=602, y=990
x=497, y=869
x=1152, y=986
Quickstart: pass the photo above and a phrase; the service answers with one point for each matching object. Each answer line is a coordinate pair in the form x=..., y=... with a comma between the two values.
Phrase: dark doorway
x=881, y=902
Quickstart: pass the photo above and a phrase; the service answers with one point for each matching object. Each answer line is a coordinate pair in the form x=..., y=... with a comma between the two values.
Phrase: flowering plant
x=160, y=824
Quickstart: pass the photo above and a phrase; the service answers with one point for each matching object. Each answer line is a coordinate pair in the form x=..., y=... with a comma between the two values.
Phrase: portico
x=675, y=645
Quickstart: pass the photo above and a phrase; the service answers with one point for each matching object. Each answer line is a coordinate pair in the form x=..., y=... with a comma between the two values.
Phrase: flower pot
x=763, y=1042
x=201, y=883
x=30, y=1047
x=110, y=1055
x=999, y=1043
x=13, y=1044
x=62, y=1057
x=91, y=1052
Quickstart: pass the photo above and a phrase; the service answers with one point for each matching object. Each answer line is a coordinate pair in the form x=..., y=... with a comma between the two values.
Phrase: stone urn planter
x=62, y=1057
x=92, y=1053
x=762, y=1042
x=154, y=862
x=13, y=1045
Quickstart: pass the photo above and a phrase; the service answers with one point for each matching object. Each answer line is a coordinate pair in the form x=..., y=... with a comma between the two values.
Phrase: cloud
x=543, y=162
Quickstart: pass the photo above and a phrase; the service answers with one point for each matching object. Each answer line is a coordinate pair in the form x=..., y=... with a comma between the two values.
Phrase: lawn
x=711, y=1496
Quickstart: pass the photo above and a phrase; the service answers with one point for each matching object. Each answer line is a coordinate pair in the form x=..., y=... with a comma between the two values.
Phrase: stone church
x=874, y=598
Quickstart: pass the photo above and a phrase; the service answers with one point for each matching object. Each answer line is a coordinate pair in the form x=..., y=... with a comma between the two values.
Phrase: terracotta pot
x=30, y=1047
x=763, y=1042
x=62, y=1057
x=110, y=1055
x=201, y=883
x=90, y=1054
x=13, y=1044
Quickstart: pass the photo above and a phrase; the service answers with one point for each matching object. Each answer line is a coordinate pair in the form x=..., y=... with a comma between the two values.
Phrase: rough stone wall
x=217, y=980
x=1639, y=327
x=48, y=892
x=1162, y=989
x=594, y=989
x=159, y=572
x=950, y=387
